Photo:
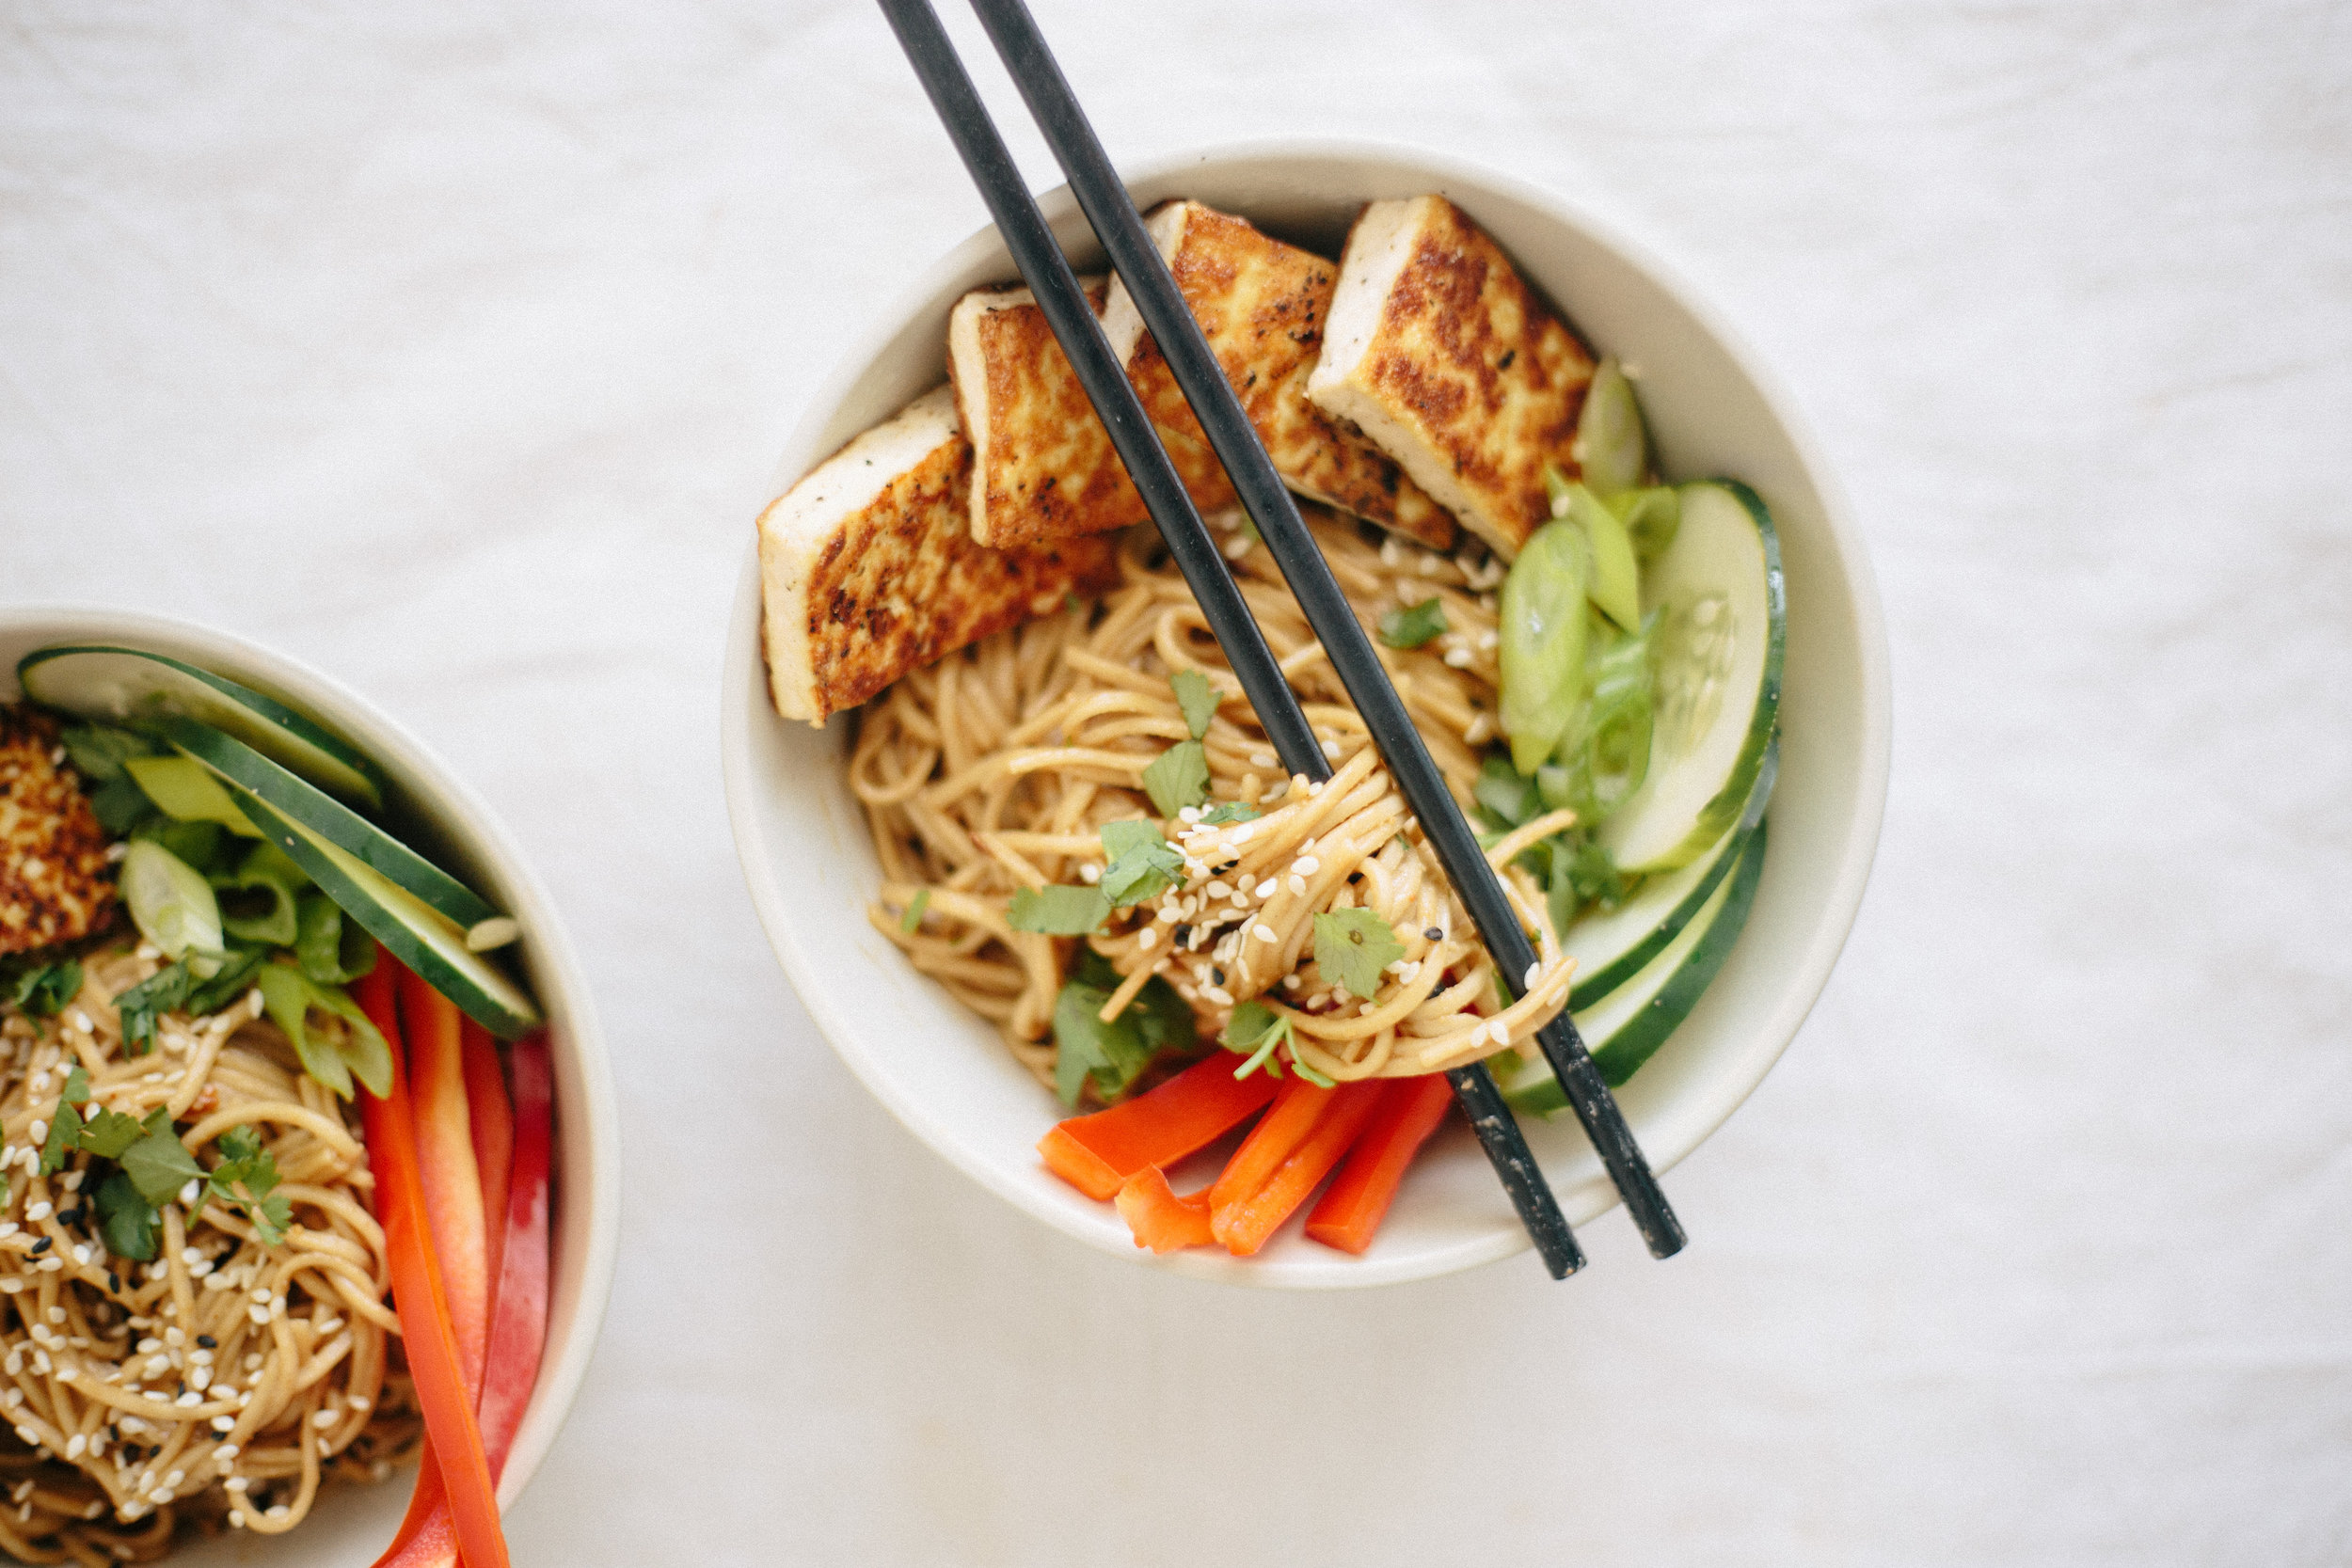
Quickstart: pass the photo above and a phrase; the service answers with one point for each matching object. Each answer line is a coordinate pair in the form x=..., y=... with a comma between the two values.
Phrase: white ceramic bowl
x=1713, y=410
x=352, y=1524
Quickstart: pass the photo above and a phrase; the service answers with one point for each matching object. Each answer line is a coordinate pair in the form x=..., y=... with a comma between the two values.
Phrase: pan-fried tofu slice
x=1043, y=465
x=869, y=569
x=1263, y=307
x=56, y=884
x=1439, y=351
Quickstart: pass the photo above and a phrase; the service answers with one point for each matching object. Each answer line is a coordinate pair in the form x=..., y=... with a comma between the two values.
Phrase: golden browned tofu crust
x=1261, y=305
x=1047, y=468
x=902, y=582
x=56, y=884
x=1490, y=374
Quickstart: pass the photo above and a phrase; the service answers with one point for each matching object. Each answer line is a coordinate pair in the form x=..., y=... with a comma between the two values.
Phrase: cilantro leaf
x=1197, y=697
x=107, y=1133
x=1058, y=911
x=144, y=1002
x=120, y=805
x=159, y=1165
x=1230, y=811
x=246, y=1164
x=1410, y=628
x=1142, y=863
x=1114, y=1054
x=65, y=1136
x=1353, y=946
x=910, y=920
x=126, y=1220
x=97, y=750
x=44, y=990
x=1179, y=778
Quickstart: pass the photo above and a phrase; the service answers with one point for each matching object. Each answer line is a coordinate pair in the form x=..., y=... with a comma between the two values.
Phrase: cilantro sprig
x=1256, y=1031
x=1179, y=777
x=44, y=990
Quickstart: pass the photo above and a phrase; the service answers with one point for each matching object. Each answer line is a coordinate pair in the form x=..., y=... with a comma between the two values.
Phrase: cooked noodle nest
x=994, y=770
x=220, y=1384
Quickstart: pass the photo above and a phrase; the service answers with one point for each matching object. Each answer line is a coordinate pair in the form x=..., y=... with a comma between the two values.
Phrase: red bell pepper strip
x=1245, y=1220
x=1359, y=1199
x=446, y=1167
x=1160, y=1219
x=1298, y=1106
x=1097, y=1153
x=428, y=1335
x=492, y=1118
x=519, y=1328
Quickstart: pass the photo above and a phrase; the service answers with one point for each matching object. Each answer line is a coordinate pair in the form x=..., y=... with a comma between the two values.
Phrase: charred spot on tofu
x=56, y=884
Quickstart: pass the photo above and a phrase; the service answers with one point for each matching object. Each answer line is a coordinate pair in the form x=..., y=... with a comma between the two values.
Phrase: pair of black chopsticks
x=1047, y=271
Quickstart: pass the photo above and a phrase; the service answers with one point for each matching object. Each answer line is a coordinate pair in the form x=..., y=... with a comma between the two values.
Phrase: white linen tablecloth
x=447, y=347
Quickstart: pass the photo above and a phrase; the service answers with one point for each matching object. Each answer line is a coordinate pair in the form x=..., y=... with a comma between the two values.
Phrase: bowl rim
x=1857, y=847
x=553, y=958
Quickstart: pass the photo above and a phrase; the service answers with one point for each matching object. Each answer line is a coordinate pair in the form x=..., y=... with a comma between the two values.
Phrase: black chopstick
x=1047, y=271
x=1103, y=199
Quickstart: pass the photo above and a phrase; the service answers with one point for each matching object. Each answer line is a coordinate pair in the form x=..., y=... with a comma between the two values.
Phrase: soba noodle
x=220, y=1384
x=994, y=769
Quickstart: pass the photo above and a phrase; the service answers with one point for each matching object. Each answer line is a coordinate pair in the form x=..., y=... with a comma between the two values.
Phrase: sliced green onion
x=171, y=903
x=1543, y=642
x=1611, y=450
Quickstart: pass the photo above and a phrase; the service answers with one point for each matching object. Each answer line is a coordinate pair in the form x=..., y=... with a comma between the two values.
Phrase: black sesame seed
x=1218, y=974
x=208, y=1341
x=43, y=1245
x=114, y=1282
x=1435, y=933
x=1183, y=932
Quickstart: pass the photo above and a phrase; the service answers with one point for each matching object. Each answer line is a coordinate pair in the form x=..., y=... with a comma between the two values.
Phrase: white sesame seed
x=1458, y=659
x=1262, y=759
x=1146, y=936
x=1331, y=749
x=1298, y=884
x=1219, y=889
x=81, y=1021
x=1262, y=932
x=324, y=1418
x=1290, y=982
x=223, y=1423
x=1090, y=874
x=40, y=1210
x=40, y=1129
x=1532, y=969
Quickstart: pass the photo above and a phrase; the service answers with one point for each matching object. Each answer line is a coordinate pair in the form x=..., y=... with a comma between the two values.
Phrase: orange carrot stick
x=1160, y=1219
x=1359, y=1199
x=1097, y=1153
x=458, y=1469
x=1297, y=1106
x=1244, y=1223
x=445, y=1167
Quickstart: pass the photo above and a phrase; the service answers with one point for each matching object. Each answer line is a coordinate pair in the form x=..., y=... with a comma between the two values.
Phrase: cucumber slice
x=1626, y=1030
x=241, y=765
x=415, y=933
x=125, y=684
x=1612, y=947
x=1718, y=681
x=1639, y=1040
